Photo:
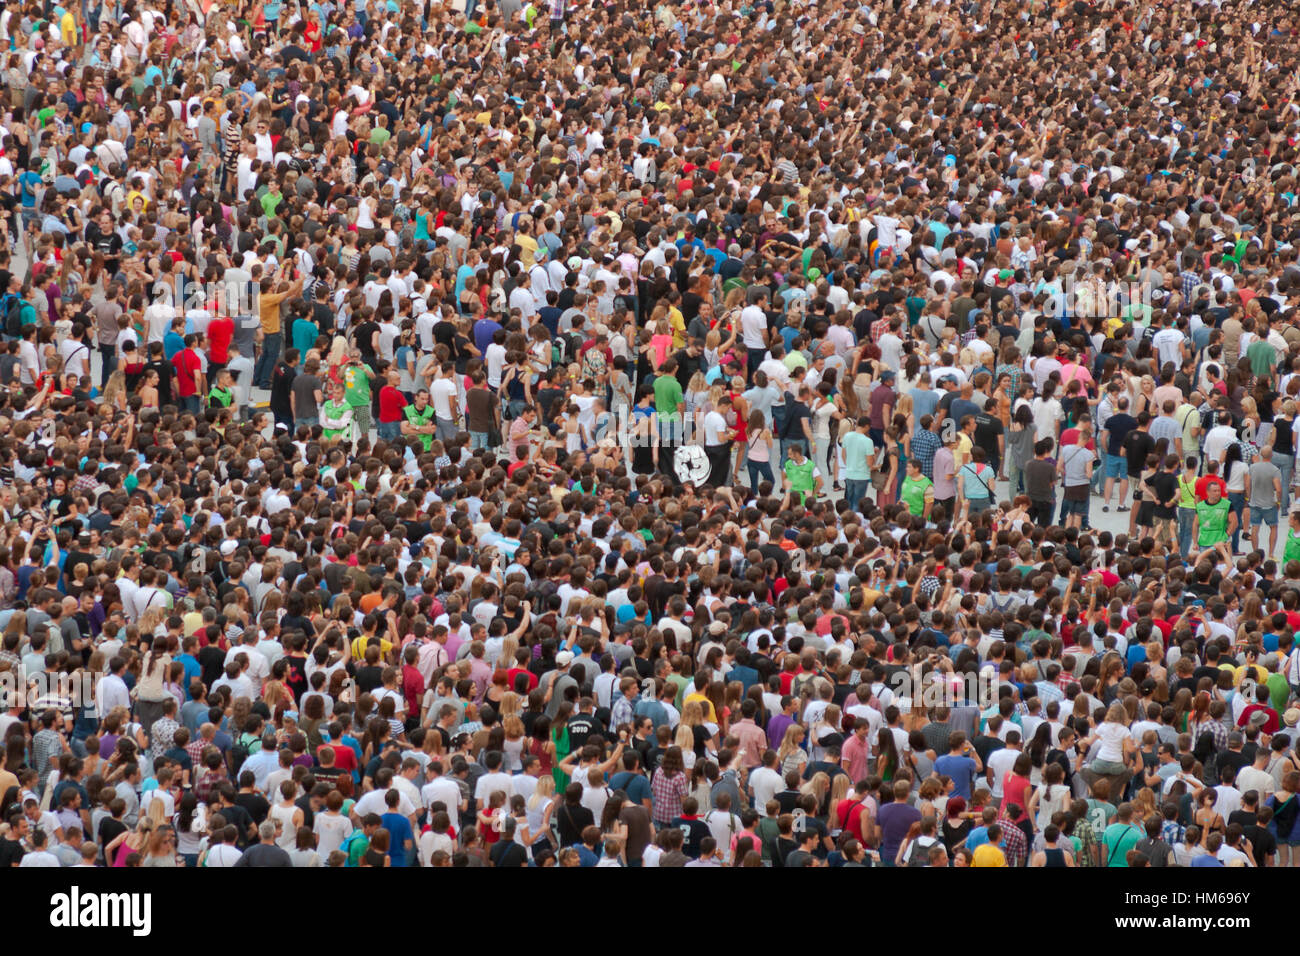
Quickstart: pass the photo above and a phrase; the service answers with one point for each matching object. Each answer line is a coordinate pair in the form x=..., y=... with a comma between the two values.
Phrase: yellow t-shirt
x=678, y=322
x=989, y=854
x=705, y=704
x=359, y=648
x=962, y=455
x=68, y=27
x=1260, y=675
x=527, y=249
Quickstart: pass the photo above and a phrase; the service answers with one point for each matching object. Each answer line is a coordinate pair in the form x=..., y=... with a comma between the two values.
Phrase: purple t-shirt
x=895, y=820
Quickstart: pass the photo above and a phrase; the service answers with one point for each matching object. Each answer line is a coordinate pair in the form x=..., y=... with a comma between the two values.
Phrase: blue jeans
x=1186, y=517
x=1238, y=501
x=758, y=471
x=478, y=440
x=855, y=489
x=1286, y=465
x=107, y=363
x=189, y=403
x=788, y=443
x=266, y=360
x=389, y=431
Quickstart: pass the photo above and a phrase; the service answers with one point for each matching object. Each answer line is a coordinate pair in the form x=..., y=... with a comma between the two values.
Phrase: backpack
x=239, y=752
x=13, y=314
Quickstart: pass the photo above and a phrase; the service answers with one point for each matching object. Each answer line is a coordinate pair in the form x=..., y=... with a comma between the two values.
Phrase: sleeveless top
x=288, y=838
x=538, y=750
x=1054, y=857
x=513, y=750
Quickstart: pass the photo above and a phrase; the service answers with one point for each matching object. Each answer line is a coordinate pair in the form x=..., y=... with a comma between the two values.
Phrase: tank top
x=1283, y=437
x=1054, y=857
x=288, y=838
x=538, y=750
x=513, y=750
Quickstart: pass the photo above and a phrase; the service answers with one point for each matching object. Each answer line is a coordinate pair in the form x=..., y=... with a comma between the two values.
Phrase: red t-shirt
x=221, y=331
x=391, y=403
x=188, y=366
x=1204, y=483
x=515, y=672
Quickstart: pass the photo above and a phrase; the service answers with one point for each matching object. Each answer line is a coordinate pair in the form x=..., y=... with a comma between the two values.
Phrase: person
x=862, y=213
x=1214, y=525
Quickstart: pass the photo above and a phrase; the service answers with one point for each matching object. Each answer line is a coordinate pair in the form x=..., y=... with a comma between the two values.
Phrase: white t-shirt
x=1112, y=737
x=714, y=425
x=441, y=392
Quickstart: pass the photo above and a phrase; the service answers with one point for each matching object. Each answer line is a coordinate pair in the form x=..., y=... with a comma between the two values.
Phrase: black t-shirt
x=508, y=853
x=242, y=820
x=580, y=726
x=693, y=831
x=571, y=820
x=1117, y=428
x=212, y=662
x=282, y=387
x=1164, y=485
x=1137, y=445
x=11, y=852
x=255, y=805
x=365, y=335
x=987, y=429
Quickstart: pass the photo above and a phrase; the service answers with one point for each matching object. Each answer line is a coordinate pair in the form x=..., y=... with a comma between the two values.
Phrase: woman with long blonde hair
x=790, y=756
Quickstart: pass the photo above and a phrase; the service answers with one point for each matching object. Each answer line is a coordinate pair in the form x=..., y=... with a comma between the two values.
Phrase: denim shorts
x=1259, y=516
x=1116, y=466
x=1069, y=507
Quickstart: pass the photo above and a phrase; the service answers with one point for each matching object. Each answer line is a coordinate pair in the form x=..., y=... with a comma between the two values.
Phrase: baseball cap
x=563, y=659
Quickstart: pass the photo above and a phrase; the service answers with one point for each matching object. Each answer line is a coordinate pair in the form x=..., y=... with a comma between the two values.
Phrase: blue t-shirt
x=29, y=182
x=635, y=785
x=1206, y=860
x=399, y=831
x=960, y=769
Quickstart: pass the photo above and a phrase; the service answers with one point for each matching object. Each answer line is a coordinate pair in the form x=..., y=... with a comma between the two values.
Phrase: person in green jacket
x=1292, y=550
x=918, y=491
x=337, y=418
x=801, y=477
x=1214, y=524
x=419, y=419
x=222, y=394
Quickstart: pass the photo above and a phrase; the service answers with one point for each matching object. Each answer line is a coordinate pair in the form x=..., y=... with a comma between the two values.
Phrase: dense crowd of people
x=526, y=433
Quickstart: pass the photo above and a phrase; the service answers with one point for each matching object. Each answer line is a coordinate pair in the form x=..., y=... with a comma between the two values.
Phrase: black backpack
x=13, y=315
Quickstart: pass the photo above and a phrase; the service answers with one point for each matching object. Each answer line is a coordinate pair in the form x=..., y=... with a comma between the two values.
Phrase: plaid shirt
x=1016, y=372
x=666, y=795
x=622, y=712
x=1216, y=728
x=924, y=444
x=1190, y=280
x=1087, y=838
x=46, y=745
x=1172, y=832
x=1014, y=844
x=879, y=328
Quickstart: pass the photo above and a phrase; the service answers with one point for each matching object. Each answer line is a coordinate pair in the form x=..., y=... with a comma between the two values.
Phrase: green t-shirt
x=913, y=493
x=356, y=385
x=1214, y=522
x=1262, y=357
x=859, y=449
x=270, y=203
x=1292, y=552
x=1118, y=839
x=668, y=395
